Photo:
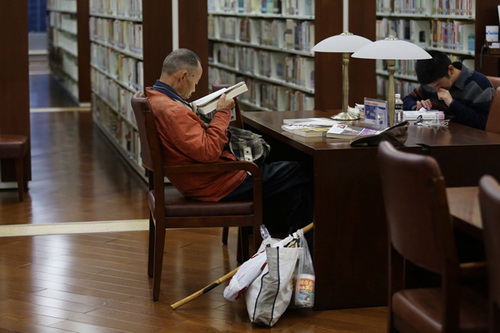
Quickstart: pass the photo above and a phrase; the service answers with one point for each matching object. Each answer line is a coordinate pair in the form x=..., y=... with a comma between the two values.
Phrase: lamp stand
x=391, y=68
x=345, y=115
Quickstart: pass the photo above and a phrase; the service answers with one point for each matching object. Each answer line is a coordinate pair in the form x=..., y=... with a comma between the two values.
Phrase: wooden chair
x=169, y=209
x=493, y=122
x=421, y=233
x=15, y=147
x=489, y=201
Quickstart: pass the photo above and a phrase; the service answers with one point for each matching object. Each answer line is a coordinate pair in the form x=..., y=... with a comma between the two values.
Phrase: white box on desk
x=426, y=115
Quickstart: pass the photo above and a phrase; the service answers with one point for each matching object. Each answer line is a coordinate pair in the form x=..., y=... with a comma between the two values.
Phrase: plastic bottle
x=398, y=109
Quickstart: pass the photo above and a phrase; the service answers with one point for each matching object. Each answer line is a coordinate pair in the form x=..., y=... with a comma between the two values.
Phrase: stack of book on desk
x=308, y=127
x=325, y=127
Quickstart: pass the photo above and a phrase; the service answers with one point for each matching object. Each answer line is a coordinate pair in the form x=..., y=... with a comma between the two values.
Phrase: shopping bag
x=246, y=274
x=252, y=268
x=269, y=295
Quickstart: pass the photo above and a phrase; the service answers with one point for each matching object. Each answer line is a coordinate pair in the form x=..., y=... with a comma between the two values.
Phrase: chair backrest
x=416, y=205
x=140, y=105
x=238, y=121
x=489, y=200
x=151, y=151
x=493, y=122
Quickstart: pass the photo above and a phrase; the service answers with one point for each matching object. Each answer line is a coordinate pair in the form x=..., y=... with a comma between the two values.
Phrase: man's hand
x=224, y=104
x=445, y=96
x=426, y=103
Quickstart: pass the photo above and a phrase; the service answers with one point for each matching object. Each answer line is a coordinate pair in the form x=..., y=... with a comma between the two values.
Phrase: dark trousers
x=287, y=196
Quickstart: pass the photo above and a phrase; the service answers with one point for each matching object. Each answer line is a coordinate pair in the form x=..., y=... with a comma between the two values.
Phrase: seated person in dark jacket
x=463, y=94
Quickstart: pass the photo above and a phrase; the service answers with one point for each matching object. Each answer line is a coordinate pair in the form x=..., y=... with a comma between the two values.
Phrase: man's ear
x=451, y=70
x=183, y=74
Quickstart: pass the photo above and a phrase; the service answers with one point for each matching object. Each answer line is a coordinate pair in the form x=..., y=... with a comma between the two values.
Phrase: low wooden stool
x=16, y=147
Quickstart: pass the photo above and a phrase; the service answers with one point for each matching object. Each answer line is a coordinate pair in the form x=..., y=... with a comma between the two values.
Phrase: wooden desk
x=350, y=236
x=463, y=203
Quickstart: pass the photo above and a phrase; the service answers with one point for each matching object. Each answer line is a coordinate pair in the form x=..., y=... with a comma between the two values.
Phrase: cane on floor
x=219, y=281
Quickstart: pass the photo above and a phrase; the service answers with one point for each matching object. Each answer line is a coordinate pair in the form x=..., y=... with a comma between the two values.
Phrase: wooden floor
x=97, y=282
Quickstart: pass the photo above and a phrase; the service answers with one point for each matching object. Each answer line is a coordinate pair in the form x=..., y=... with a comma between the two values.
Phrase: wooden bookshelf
x=271, y=51
x=68, y=31
x=14, y=81
x=122, y=64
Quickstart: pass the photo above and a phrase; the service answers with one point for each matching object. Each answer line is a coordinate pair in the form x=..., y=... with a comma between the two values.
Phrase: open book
x=208, y=103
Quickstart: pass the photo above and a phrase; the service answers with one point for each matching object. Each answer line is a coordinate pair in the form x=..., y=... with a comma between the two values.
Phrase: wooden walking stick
x=219, y=281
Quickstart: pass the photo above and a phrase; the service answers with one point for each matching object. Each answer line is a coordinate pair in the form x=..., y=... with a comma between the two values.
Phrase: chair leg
x=158, y=260
x=20, y=178
x=225, y=235
x=242, y=253
x=151, y=249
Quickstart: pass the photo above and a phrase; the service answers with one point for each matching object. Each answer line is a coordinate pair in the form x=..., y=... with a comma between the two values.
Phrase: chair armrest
x=473, y=269
x=215, y=167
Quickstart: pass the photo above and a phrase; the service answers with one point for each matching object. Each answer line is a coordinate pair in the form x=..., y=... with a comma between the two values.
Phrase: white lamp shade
x=343, y=43
x=391, y=48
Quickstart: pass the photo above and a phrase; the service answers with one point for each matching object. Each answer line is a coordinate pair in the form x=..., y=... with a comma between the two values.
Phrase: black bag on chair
x=247, y=146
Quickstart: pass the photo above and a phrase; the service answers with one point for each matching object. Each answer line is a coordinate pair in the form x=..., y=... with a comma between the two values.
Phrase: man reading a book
x=187, y=139
x=463, y=94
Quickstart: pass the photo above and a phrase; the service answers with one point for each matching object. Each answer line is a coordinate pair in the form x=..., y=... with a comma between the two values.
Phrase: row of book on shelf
x=427, y=7
x=125, y=70
x=120, y=130
x=280, y=66
x=451, y=35
x=62, y=5
x=63, y=21
x=280, y=33
x=124, y=35
x=118, y=8
x=264, y=95
x=276, y=7
x=116, y=97
x=65, y=40
x=65, y=61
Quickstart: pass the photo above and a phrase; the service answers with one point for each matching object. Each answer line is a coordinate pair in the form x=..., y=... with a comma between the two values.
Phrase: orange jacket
x=187, y=140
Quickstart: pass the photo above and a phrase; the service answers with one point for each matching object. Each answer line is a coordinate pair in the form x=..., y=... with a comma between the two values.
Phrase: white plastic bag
x=270, y=293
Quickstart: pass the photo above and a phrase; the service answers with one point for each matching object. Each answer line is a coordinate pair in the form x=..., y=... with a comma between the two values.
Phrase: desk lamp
x=344, y=43
x=391, y=49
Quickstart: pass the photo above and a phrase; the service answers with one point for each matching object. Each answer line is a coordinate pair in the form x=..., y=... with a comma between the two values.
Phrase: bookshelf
x=68, y=26
x=268, y=45
x=14, y=81
x=454, y=27
x=128, y=42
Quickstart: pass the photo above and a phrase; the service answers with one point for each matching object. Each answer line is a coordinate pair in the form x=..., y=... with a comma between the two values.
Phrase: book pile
x=308, y=127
